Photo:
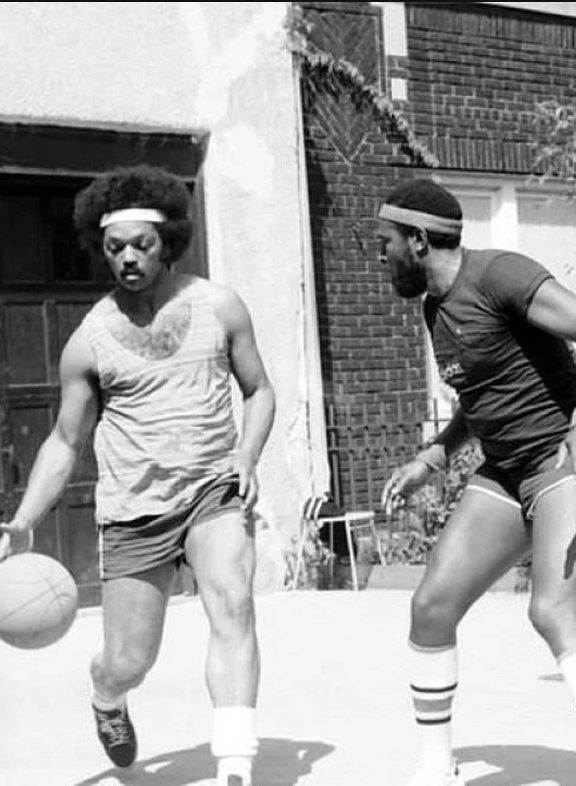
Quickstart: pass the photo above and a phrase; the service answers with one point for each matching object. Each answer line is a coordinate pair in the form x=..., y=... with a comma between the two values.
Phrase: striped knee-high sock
x=433, y=683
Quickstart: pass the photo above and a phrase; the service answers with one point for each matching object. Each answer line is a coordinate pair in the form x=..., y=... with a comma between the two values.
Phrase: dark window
x=38, y=244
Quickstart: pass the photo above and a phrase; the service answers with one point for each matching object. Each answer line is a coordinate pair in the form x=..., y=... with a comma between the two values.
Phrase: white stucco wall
x=258, y=228
x=118, y=63
x=223, y=67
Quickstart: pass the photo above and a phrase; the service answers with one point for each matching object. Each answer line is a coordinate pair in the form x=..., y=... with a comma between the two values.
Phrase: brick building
x=468, y=77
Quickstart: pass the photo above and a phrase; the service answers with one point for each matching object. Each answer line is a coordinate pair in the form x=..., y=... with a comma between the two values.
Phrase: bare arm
x=60, y=451
x=257, y=392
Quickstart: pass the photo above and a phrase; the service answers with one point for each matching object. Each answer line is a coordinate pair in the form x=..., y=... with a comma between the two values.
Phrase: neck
x=442, y=266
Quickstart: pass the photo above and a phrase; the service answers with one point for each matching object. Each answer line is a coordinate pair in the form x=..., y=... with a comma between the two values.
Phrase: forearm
x=48, y=479
x=448, y=441
x=259, y=409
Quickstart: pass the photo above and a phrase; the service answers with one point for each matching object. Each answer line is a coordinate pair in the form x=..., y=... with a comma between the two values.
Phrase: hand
x=567, y=450
x=404, y=482
x=248, y=482
x=17, y=537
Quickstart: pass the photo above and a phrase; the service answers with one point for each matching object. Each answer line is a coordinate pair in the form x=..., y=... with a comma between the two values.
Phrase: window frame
x=52, y=158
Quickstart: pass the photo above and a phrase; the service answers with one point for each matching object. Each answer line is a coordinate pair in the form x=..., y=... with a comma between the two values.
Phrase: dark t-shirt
x=516, y=383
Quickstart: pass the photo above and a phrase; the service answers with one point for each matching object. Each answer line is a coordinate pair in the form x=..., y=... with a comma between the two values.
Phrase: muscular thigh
x=133, y=609
x=554, y=535
x=221, y=550
x=484, y=537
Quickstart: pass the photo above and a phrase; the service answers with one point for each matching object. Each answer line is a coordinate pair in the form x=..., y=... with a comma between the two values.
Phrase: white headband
x=414, y=218
x=133, y=214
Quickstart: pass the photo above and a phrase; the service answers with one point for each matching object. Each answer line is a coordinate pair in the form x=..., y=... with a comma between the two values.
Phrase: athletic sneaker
x=116, y=733
x=429, y=777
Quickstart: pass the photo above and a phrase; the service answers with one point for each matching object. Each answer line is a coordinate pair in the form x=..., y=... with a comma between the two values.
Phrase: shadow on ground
x=517, y=765
x=280, y=763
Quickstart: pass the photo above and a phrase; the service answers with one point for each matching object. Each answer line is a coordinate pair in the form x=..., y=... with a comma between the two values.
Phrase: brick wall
x=476, y=73
x=373, y=358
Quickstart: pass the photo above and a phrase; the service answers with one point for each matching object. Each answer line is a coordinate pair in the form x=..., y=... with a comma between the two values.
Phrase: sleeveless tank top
x=167, y=425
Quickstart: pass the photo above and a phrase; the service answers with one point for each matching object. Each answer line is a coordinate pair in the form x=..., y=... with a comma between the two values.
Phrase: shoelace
x=115, y=729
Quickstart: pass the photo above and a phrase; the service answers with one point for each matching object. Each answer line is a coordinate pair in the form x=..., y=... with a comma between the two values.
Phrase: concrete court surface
x=334, y=708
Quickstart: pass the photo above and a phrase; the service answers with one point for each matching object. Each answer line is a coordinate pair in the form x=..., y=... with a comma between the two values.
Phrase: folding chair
x=320, y=511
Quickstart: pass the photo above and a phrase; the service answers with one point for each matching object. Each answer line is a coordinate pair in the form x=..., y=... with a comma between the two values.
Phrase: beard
x=412, y=285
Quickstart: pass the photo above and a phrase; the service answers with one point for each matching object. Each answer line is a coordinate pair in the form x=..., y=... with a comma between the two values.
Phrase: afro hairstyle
x=427, y=196
x=137, y=186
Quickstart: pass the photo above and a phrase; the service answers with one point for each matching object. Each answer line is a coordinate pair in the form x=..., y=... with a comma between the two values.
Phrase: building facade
x=287, y=172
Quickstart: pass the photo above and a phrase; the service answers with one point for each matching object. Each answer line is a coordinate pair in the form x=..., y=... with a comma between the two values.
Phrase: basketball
x=38, y=600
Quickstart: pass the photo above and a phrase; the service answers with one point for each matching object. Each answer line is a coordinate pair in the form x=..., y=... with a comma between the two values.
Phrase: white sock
x=234, y=742
x=433, y=682
x=103, y=702
x=567, y=665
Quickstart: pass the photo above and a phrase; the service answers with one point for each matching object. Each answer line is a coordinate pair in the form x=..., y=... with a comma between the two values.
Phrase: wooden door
x=46, y=286
x=33, y=332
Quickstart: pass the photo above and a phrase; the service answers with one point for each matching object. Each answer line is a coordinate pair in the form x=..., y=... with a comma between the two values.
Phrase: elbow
x=266, y=399
x=64, y=450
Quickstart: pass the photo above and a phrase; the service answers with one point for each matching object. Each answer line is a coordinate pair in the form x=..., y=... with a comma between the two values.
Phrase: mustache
x=131, y=271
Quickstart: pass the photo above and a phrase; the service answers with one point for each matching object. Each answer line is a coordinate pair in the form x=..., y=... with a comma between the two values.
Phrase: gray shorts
x=131, y=547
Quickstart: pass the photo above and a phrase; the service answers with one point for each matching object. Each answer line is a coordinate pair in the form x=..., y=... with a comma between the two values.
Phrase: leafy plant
x=438, y=499
x=555, y=143
x=315, y=560
x=416, y=529
x=339, y=74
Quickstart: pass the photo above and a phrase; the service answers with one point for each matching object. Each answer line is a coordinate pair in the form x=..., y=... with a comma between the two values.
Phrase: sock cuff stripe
x=433, y=721
x=436, y=705
x=445, y=689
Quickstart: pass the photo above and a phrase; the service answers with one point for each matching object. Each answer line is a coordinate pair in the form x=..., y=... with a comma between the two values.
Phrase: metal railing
x=365, y=446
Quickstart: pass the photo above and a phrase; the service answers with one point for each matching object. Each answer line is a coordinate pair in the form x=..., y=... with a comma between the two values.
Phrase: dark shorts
x=131, y=547
x=522, y=491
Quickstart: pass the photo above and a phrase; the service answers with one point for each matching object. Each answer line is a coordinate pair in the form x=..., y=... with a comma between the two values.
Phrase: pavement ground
x=334, y=708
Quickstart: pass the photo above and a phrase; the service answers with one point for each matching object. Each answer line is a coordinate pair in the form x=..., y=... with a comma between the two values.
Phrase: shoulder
x=77, y=359
x=78, y=355
x=513, y=267
x=511, y=278
x=227, y=304
x=98, y=313
x=216, y=294
x=496, y=261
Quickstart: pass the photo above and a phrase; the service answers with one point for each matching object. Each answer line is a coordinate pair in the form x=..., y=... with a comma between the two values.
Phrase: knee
x=433, y=610
x=123, y=670
x=550, y=616
x=230, y=603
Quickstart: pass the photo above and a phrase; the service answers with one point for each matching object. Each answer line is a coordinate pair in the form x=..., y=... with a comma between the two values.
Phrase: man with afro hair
x=499, y=324
x=149, y=370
